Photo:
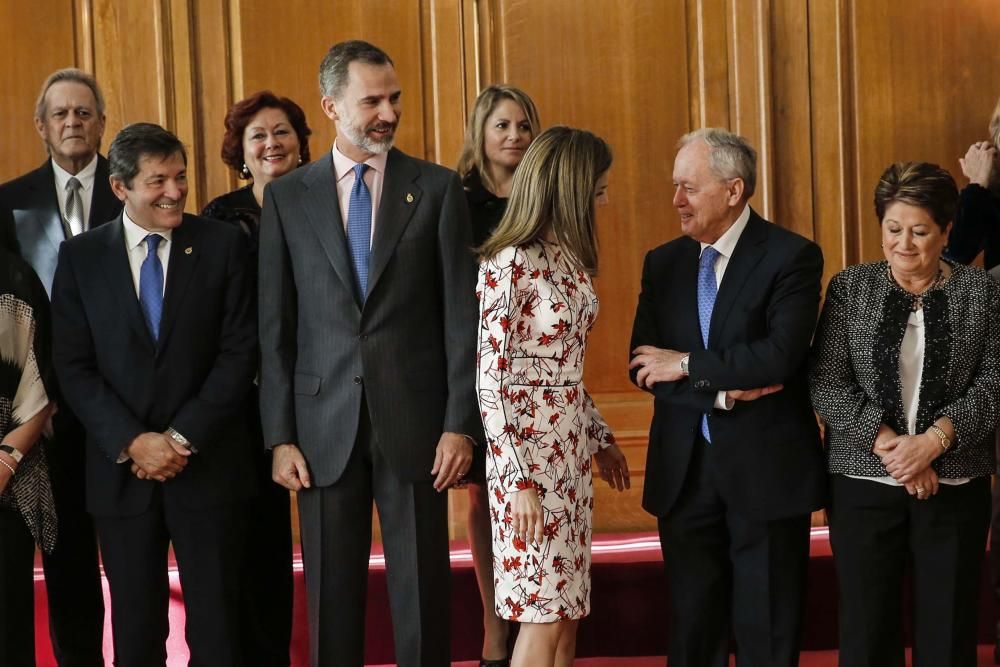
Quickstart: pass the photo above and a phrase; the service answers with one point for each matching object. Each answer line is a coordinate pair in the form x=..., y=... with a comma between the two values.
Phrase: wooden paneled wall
x=830, y=92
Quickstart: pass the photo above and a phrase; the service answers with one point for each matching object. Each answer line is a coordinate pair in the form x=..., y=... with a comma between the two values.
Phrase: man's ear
x=329, y=106
x=118, y=187
x=734, y=189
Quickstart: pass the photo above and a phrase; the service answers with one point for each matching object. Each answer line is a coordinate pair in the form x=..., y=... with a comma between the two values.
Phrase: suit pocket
x=307, y=384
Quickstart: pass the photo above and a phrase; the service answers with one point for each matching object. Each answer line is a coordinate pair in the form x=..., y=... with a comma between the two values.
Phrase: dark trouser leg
x=869, y=528
x=695, y=543
x=947, y=540
x=414, y=520
x=134, y=551
x=209, y=546
x=72, y=575
x=336, y=529
x=17, y=592
x=266, y=598
x=769, y=560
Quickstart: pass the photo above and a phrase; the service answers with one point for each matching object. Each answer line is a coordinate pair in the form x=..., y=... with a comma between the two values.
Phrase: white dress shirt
x=725, y=246
x=86, y=177
x=135, y=244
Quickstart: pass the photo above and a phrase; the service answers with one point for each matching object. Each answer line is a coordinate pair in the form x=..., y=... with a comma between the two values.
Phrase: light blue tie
x=359, y=229
x=707, y=289
x=151, y=286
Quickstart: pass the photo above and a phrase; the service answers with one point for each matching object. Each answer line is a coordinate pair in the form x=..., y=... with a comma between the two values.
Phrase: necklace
x=917, y=300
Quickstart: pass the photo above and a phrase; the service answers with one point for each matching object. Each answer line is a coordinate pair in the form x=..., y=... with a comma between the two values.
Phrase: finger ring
x=461, y=474
x=920, y=489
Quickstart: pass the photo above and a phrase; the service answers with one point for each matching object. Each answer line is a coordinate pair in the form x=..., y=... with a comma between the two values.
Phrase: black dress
x=485, y=211
x=976, y=228
x=27, y=509
x=266, y=604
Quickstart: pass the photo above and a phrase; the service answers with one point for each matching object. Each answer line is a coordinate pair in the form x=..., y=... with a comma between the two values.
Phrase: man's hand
x=451, y=460
x=157, y=456
x=656, y=365
x=753, y=394
x=979, y=163
x=289, y=469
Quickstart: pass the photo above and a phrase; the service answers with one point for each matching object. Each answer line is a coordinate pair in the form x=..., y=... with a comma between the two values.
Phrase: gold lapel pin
x=188, y=250
x=409, y=198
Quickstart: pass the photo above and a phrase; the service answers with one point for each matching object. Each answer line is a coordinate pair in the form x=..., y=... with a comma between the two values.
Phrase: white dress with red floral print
x=536, y=311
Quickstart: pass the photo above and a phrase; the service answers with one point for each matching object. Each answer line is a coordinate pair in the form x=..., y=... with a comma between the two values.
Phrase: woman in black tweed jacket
x=906, y=376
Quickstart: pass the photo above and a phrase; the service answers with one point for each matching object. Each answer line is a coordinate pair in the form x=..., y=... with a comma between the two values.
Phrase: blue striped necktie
x=151, y=286
x=707, y=290
x=359, y=229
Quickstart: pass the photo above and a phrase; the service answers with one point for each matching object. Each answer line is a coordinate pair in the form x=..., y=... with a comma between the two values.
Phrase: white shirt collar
x=727, y=242
x=136, y=235
x=343, y=164
x=86, y=176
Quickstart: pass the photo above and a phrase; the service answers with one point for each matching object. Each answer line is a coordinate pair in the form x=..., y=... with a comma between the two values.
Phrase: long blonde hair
x=473, y=156
x=554, y=186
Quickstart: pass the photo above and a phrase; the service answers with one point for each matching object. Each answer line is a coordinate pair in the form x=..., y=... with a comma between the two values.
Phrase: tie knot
x=708, y=256
x=360, y=169
x=73, y=184
x=153, y=242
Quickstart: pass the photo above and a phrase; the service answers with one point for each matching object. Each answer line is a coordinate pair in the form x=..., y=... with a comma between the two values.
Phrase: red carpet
x=628, y=618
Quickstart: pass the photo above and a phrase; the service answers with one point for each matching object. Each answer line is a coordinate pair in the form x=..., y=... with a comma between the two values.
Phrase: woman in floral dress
x=537, y=306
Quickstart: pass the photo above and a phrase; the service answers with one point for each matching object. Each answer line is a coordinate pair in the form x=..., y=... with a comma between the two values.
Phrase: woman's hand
x=908, y=455
x=923, y=485
x=882, y=439
x=613, y=467
x=526, y=517
x=979, y=163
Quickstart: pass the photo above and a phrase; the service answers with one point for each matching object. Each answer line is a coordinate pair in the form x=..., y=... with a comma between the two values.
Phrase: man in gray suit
x=367, y=325
x=67, y=195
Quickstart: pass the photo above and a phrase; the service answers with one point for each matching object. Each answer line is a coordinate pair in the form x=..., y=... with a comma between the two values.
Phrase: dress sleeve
x=501, y=288
x=30, y=396
x=599, y=435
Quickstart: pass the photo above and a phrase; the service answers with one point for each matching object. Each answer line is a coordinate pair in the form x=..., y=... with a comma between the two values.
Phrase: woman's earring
x=300, y=158
x=244, y=172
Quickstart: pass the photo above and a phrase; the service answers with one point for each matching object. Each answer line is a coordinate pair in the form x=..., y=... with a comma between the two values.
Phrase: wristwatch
x=684, y=363
x=12, y=452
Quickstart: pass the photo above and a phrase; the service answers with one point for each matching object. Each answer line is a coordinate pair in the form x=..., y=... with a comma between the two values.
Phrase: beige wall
x=830, y=91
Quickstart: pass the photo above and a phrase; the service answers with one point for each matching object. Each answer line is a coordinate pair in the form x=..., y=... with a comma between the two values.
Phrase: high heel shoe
x=502, y=662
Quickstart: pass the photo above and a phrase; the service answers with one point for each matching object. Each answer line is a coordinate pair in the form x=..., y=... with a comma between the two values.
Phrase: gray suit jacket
x=410, y=349
x=33, y=200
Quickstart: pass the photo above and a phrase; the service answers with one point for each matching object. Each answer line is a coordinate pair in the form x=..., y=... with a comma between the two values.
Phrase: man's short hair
x=334, y=68
x=76, y=76
x=137, y=141
x=730, y=155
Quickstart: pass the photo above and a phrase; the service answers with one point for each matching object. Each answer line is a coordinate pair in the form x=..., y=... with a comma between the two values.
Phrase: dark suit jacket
x=410, y=349
x=767, y=452
x=33, y=200
x=196, y=379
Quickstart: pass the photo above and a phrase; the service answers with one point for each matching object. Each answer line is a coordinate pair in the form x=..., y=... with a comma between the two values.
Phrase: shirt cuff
x=723, y=402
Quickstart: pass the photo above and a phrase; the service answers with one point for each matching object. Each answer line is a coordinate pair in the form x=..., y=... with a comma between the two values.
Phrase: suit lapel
x=749, y=251
x=686, y=278
x=119, y=274
x=49, y=216
x=184, y=253
x=400, y=197
x=323, y=213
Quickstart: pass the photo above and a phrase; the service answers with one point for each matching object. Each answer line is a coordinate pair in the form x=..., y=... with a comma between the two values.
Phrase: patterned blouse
x=23, y=395
x=854, y=373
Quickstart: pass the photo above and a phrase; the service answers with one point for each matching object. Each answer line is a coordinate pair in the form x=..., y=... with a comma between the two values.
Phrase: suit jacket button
x=357, y=379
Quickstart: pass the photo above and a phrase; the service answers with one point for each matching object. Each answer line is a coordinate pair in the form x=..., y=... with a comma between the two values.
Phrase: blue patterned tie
x=151, y=286
x=359, y=229
x=707, y=290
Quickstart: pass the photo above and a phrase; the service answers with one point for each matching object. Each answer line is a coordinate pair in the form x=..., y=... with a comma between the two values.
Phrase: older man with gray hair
x=734, y=467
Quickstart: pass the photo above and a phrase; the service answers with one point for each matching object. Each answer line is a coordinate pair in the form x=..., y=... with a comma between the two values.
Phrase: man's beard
x=361, y=139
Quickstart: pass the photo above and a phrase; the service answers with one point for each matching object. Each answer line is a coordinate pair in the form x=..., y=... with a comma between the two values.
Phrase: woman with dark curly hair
x=906, y=375
x=266, y=137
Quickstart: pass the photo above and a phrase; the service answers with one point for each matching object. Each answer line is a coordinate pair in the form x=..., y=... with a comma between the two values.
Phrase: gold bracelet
x=942, y=436
x=8, y=467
